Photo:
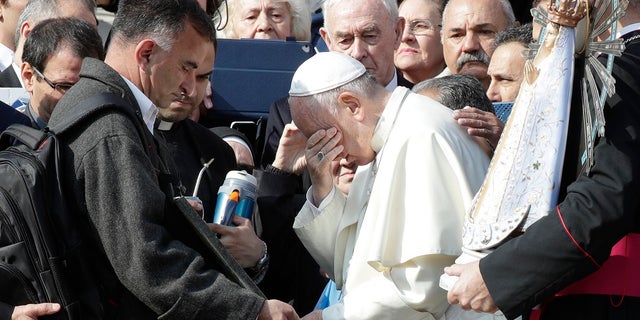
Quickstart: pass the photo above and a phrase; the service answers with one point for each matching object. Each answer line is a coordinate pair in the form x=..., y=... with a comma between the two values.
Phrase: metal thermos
x=237, y=195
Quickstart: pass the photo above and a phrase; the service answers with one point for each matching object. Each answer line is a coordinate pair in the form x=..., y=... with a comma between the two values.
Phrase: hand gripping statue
x=523, y=181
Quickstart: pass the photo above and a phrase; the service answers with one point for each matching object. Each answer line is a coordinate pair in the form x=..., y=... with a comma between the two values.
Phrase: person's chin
x=175, y=115
x=407, y=60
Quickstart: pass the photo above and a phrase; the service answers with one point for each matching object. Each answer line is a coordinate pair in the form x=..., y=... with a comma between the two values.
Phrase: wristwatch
x=258, y=271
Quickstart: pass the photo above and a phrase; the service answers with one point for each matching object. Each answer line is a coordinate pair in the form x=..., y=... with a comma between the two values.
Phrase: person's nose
x=188, y=86
x=493, y=93
x=263, y=24
x=471, y=43
x=407, y=36
x=358, y=49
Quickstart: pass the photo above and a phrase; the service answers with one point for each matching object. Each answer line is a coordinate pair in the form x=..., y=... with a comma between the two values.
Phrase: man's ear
x=399, y=30
x=28, y=76
x=352, y=104
x=144, y=50
x=25, y=29
x=325, y=36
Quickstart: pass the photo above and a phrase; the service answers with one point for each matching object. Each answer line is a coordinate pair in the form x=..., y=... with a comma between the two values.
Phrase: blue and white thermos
x=237, y=195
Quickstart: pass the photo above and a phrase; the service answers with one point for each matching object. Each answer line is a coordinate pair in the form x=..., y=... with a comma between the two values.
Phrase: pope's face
x=343, y=173
x=355, y=137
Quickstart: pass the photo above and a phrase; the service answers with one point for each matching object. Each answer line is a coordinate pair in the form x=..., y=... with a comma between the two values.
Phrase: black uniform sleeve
x=598, y=210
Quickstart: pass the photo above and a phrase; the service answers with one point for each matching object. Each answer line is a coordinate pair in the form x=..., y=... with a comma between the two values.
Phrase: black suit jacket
x=9, y=78
x=293, y=274
x=597, y=209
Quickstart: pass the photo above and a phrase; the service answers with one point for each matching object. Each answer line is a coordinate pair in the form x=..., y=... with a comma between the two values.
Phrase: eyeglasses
x=421, y=27
x=60, y=86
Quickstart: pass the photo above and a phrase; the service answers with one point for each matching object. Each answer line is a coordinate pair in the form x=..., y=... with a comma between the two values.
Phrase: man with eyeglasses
x=34, y=12
x=52, y=58
x=419, y=56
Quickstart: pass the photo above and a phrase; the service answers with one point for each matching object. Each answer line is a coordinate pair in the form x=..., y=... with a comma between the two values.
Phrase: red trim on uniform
x=564, y=226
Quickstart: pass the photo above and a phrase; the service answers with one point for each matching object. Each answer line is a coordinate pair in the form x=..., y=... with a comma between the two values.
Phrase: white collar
x=388, y=118
x=16, y=69
x=393, y=83
x=628, y=29
x=147, y=108
x=164, y=125
x=6, y=57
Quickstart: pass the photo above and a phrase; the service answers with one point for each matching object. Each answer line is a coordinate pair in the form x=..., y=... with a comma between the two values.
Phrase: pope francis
x=387, y=242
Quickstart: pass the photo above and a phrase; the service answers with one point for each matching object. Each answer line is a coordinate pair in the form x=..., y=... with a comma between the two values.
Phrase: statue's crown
x=567, y=12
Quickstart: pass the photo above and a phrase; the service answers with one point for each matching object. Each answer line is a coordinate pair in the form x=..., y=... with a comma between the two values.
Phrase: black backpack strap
x=26, y=135
x=102, y=102
x=91, y=106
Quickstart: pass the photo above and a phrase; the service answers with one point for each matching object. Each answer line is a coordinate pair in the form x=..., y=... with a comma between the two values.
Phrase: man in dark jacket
x=160, y=50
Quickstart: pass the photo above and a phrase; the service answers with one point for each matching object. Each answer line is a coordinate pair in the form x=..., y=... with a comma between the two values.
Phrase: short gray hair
x=161, y=20
x=522, y=34
x=390, y=5
x=38, y=10
x=506, y=8
x=457, y=91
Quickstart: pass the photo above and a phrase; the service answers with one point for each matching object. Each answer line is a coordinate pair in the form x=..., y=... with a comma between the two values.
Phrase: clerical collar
x=163, y=125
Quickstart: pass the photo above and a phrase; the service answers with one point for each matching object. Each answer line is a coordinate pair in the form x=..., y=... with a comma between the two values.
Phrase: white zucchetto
x=323, y=72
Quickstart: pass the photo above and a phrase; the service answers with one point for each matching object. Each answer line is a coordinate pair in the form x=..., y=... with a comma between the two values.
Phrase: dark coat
x=597, y=210
x=137, y=256
x=293, y=274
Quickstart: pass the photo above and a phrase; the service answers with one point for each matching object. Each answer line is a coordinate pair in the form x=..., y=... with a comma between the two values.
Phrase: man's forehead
x=355, y=15
x=507, y=59
x=473, y=13
x=354, y=29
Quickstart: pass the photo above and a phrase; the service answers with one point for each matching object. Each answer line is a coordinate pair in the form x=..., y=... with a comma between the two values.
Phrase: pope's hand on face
x=322, y=148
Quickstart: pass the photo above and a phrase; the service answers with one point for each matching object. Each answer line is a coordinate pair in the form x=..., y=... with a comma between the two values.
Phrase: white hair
x=506, y=8
x=300, y=19
x=390, y=5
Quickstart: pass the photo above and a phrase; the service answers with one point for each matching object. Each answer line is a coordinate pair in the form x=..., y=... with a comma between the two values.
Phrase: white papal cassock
x=387, y=243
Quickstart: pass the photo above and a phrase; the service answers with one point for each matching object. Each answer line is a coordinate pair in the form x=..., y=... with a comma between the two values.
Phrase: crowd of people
x=368, y=167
